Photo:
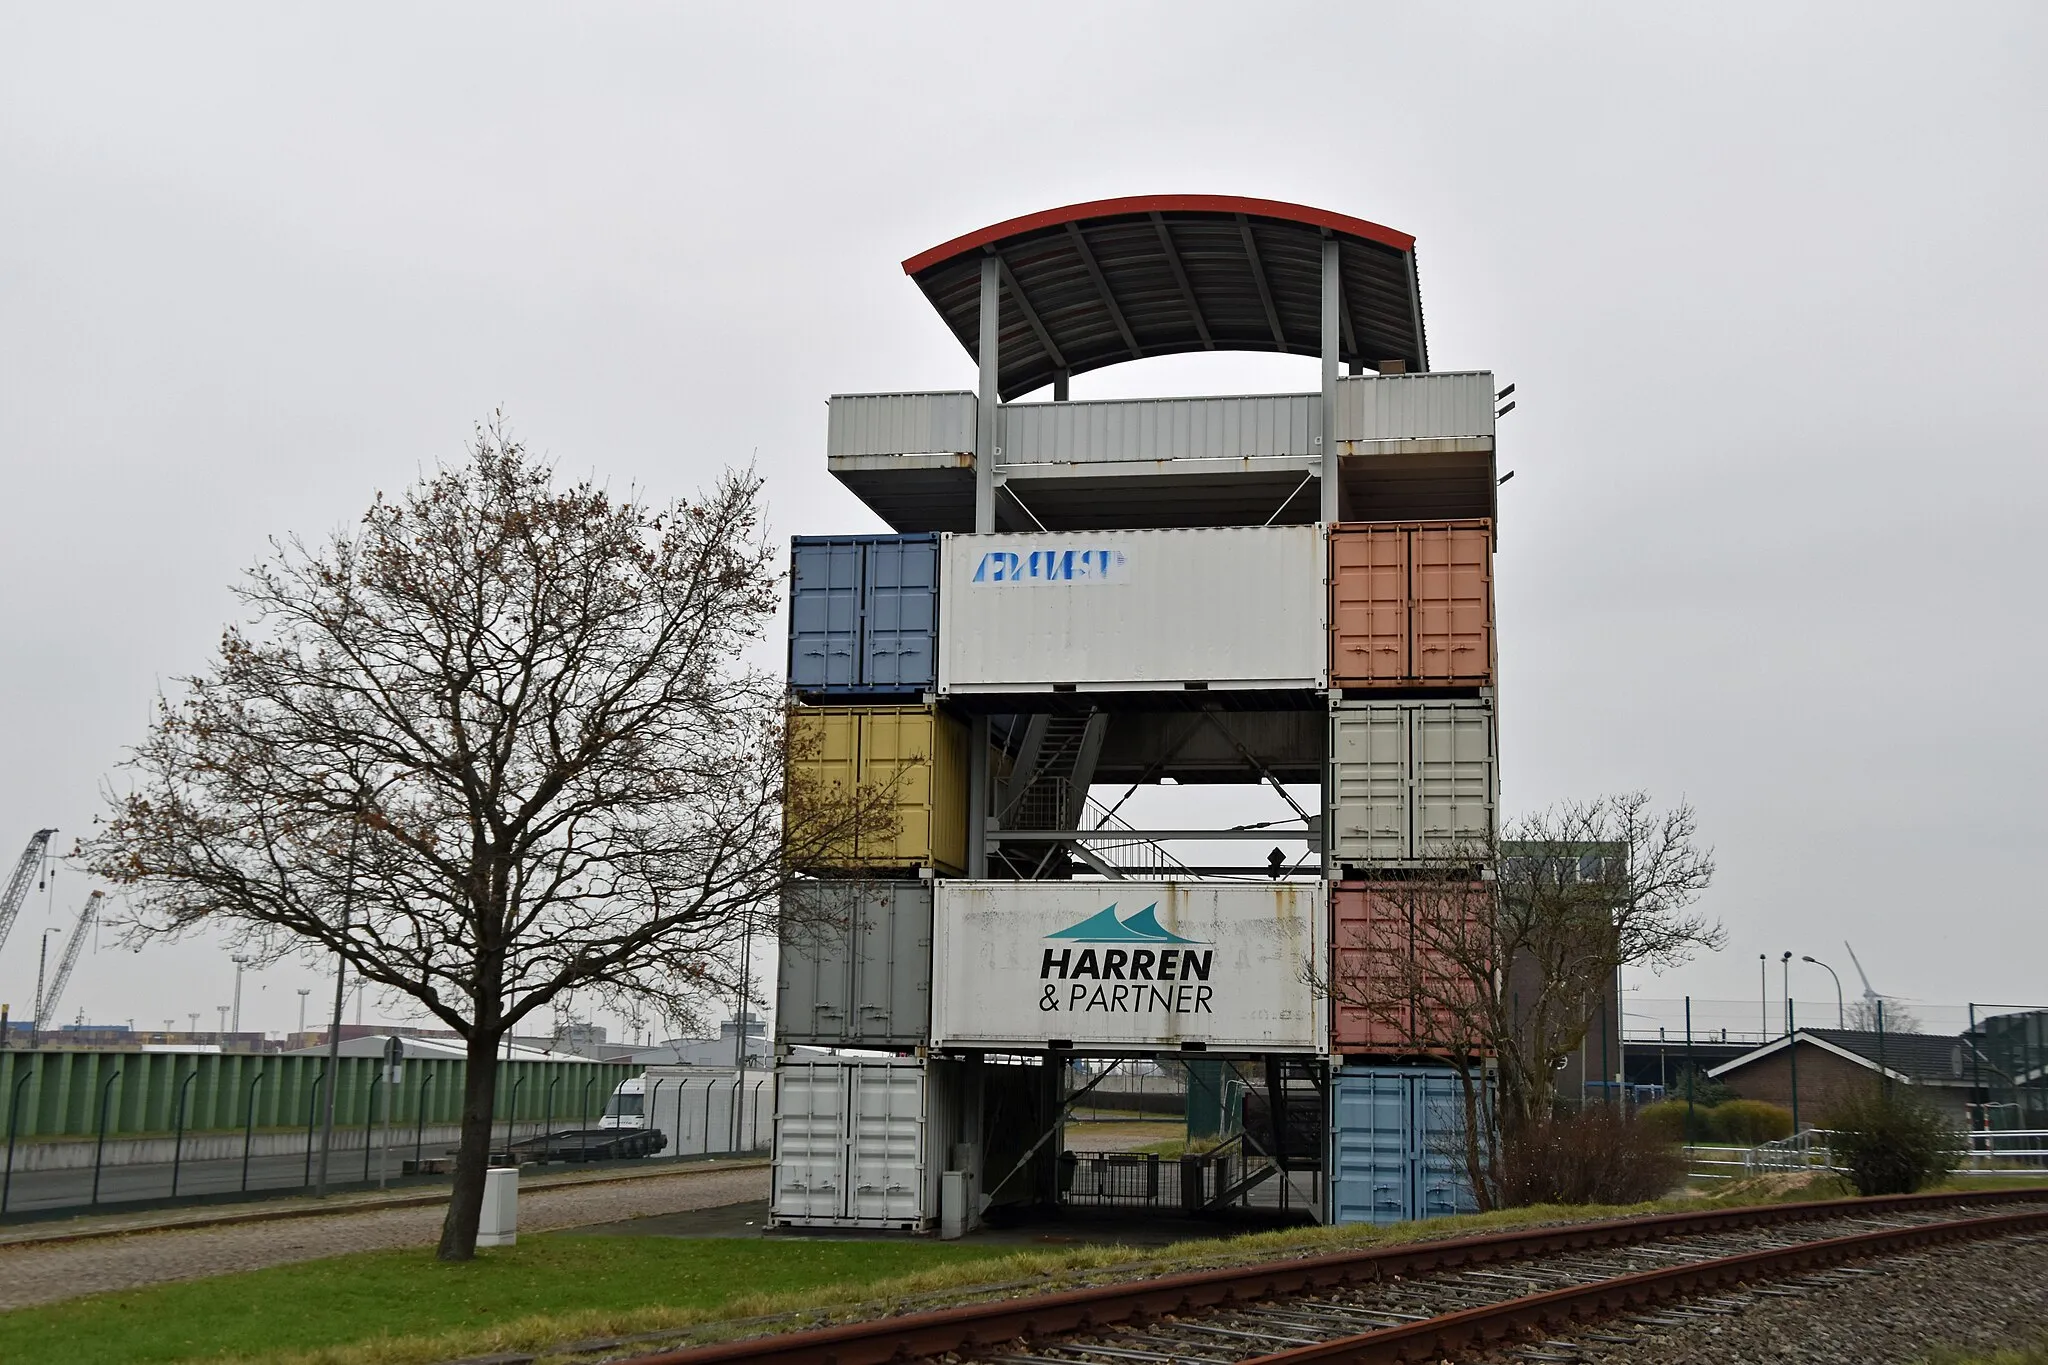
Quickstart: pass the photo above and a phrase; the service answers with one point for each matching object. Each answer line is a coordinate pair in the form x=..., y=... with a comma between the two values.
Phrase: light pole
x=35, y=1029
x=194, y=1025
x=1763, y=997
x=222, y=1036
x=303, y=993
x=240, y=962
x=1787, y=962
x=1841, y=1011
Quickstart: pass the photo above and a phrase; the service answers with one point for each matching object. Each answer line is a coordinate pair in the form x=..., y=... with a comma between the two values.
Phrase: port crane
x=48, y=1004
x=17, y=885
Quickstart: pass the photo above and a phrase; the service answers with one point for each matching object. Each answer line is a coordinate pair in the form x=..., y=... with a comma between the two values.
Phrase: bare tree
x=1862, y=1015
x=496, y=745
x=1572, y=894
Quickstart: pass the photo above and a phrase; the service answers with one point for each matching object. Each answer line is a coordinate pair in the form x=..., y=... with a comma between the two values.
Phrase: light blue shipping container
x=1396, y=1138
x=863, y=615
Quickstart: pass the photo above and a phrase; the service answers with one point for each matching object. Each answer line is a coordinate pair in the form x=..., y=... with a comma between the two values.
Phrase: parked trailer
x=590, y=1144
x=695, y=1110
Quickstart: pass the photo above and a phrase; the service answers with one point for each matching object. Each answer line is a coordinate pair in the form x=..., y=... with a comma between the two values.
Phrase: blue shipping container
x=1396, y=1145
x=863, y=614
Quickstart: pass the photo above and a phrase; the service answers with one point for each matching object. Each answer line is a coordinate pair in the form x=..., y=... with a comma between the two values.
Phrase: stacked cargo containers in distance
x=1413, y=813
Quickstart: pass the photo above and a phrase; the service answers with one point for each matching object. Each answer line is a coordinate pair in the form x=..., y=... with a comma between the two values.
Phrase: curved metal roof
x=1100, y=283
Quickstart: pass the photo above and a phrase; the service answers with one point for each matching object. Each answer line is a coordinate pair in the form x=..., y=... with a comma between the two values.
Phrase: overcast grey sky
x=1769, y=279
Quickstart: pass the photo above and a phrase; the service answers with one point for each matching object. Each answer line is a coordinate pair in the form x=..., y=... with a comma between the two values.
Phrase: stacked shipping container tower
x=1289, y=590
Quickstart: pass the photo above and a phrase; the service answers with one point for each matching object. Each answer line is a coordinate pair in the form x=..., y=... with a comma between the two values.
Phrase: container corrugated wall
x=1439, y=405
x=855, y=965
x=1221, y=607
x=918, y=752
x=1395, y=1134
x=900, y=424
x=1411, y=605
x=863, y=614
x=1161, y=429
x=1411, y=780
x=1129, y=966
x=853, y=1142
x=1400, y=954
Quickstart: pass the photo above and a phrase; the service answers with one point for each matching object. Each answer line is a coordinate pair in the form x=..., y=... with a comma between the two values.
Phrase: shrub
x=1666, y=1118
x=1890, y=1140
x=1748, y=1122
x=1596, y=1157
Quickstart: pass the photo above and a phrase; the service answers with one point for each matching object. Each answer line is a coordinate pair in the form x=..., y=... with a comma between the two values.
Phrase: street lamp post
x=222, y=1036
x=303, y=993
x=1786, y=961
x=240, y=962
x=1841, y=1010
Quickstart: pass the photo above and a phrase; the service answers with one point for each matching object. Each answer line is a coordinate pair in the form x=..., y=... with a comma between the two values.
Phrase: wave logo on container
x=1143, y=968
x=1052, y=568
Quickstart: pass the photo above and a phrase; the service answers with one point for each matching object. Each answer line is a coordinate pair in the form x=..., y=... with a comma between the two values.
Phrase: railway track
x=1421, y=1300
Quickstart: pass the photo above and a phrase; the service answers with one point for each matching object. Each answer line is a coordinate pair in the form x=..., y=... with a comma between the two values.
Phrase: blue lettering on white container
x=1052, y=568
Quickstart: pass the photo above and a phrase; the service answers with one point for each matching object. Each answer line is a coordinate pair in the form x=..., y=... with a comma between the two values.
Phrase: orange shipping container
x=1401, y=967
x=1411, y=604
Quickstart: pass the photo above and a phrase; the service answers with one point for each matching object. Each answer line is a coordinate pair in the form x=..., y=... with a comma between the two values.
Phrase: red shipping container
x=1395, y=990
x=1411, y=604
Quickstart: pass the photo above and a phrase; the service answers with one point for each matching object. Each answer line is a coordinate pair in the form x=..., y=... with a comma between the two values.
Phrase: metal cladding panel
x=1411, y=779
x=824, y=612
x=1370, y=817
x=899, y=614
x=810, y=1142
x=900, y=424
x=855, y=965
x=1396, y=1134
x=917, y=752
x=1439, y=405
x=1396, y=974
x=1160, y=429
x=1370, y=630
x=1411, y=604
x=1225, y=607
x=1129, y=965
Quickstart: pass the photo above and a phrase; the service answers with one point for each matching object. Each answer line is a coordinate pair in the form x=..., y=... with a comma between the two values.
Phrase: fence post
x=313, y=1117
x=653, y=1107
x=547, y=1121
x=178, y=1143
x=583, y=1120
x=708, y=1081
x=1792, y=1053
x=100, y=1150
x=511, y=1117
x=370, y=1115
x=754, y=1132
x=249, y=1126
x=13, y=1109
x=419, y=1127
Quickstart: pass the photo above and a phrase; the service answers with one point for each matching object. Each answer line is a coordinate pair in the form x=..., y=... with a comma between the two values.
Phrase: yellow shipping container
x=918, y=752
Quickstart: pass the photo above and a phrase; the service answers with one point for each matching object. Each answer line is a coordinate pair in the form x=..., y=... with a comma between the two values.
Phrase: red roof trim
x=1161, y=203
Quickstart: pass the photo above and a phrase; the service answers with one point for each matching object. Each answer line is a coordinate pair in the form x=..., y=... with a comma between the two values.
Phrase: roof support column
x=987, y=395
x=1332, y=336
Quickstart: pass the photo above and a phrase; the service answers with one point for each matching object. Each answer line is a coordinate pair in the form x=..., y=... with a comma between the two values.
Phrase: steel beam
x=1116, y=314
x=1180, y=277
x=1251, y=251
x=1331, y=340
x=985, y=452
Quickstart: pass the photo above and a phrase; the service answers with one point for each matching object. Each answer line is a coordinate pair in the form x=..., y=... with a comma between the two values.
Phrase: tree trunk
x=473, y=1157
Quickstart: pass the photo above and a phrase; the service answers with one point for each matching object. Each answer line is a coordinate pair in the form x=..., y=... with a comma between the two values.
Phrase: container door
x=810, y=1142
x=1369, y=606
x=1371, y=1007
x=899, y=639
x=1453, y=760
x=1369, y=1144
x=815, y=963
x=824, y=614
x=885, y=1151
x=1369, y=788
x=892, y=965
x=896, y=753
x=1453, y=593
x=1441, y=1185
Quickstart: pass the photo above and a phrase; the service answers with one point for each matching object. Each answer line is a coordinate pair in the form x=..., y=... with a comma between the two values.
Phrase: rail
x=970, y=1330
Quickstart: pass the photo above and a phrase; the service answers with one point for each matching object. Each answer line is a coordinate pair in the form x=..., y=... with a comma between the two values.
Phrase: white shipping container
x=1412, y=780
x=1132, y=966
x=1219, y=607
x=863, y=1143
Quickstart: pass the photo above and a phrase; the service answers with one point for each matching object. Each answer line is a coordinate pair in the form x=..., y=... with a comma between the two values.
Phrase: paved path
x=44, y=1274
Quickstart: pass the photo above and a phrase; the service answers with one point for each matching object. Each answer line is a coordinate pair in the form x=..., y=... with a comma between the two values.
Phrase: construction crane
x=1870, y=997
x=17, y=885
x=47, y=1006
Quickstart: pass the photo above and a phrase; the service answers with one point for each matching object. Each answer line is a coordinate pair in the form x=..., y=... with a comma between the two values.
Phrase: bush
x=1666, y=1118
x=1595, y=1157
x=1748, y=1122
x=1889, y=1140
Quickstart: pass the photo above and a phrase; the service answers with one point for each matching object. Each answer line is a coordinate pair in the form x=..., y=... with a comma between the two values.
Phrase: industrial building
x=1289, y=592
